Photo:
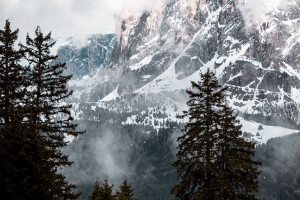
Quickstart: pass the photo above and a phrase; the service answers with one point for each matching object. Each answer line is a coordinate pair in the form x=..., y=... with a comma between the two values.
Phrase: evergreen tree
x=126, y=192
x=49, y=119
x=102, y=191
x=13, y=132
x=211, y=152
x=48, y=89
x=237, y=172
x=96, y=194
x=107, y=191
x=11, y=76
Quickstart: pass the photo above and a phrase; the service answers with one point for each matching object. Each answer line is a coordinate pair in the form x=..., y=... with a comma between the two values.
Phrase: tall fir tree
x=237, y=171
x=211, y=151
x=96, y=194
x=13, y=131
x=107, y=191
x=102, y=191
x=126, y=192
x=48, y=89
x=11, y=76
x=49, y=119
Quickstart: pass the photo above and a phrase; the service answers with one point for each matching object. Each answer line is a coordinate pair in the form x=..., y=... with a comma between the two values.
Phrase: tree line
x=104, y=191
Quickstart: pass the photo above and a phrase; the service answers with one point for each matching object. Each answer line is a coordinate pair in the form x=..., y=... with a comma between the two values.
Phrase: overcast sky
x=66, y=17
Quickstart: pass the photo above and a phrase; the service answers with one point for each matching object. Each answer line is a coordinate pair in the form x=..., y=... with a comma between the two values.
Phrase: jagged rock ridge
x=259, y=66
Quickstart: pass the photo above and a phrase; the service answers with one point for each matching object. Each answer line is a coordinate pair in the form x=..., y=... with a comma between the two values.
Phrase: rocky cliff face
x=83, y=55
x=258, y=63
x=149, y=43
x=163, y=49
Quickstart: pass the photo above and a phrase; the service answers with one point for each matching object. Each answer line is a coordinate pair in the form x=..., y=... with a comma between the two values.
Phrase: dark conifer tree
x=102, y=191
x=211, y=134
x=237, y=170
x=49, y=119
x=126, y=192
x=48, y=89
x=96, y=194
x=11, y=75
x=107, y=191
x=12, y=128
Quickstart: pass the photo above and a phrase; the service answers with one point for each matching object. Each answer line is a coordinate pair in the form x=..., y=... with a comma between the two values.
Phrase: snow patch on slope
x=232, y=58
x=266, y=133
x=144, y=62
x=112, y=96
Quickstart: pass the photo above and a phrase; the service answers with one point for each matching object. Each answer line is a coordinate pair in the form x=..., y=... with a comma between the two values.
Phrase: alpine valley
x=130, y=86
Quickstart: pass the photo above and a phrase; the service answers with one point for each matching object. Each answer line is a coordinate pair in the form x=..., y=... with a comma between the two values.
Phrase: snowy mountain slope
x=157, y=53
x=268, y=132
x=111, y=96
x=159, y=111
x=88, y=85
x=258, y=66
x=86, y=58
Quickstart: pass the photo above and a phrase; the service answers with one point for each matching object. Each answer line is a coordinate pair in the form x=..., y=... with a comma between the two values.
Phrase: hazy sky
x=66, y=17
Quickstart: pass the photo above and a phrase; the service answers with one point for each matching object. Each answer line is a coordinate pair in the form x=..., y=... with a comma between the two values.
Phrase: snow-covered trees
x=213, y=161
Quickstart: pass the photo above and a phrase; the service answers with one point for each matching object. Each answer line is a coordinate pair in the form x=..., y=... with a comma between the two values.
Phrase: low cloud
x=99, y=154
x=256, y=12
x=67, y=17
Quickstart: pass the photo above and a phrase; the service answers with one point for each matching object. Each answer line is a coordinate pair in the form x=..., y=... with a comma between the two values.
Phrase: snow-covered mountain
x=129, y=105
x=158, y=52
x=164, y=49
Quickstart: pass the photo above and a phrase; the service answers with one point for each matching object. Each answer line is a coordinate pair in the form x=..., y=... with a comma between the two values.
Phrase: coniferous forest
x=32, y=136
x=204, y=158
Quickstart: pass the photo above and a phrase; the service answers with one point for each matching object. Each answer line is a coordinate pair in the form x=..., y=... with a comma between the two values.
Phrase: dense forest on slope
x=140, y=154
x=144, y=156
x=280, y=178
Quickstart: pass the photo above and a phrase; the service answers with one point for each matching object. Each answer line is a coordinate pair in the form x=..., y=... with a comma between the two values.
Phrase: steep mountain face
x=162, y=50
x=157, y=53
x=150, y=42
x=83, y=55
